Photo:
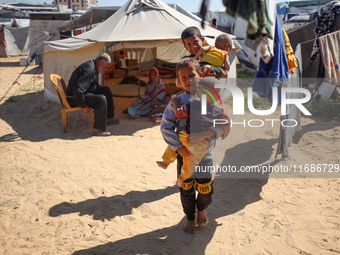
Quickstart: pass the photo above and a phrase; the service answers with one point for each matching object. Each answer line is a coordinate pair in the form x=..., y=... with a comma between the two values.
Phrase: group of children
x=190, y=135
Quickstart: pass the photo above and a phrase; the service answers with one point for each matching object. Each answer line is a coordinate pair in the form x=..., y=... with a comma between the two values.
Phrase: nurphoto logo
x=238, y=104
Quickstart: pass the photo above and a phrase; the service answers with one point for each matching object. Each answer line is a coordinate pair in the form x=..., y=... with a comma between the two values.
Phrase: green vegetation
x=245, y=74
x=329, y=109
x=31, y=89
x=259, y=103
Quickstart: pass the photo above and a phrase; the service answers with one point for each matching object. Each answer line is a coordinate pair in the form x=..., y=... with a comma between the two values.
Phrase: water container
x=23, y=61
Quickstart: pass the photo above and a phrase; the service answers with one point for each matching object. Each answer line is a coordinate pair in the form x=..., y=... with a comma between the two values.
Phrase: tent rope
x=28, y=62
x=16, y=81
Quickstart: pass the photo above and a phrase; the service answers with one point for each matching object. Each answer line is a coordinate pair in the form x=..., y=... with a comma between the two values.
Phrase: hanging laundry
x=255, y=12
x=287, y=132
x=276, y=72
x=330, y=53
x=267, y=49
x=290, y=53
x=266, y=45
x=325, y=21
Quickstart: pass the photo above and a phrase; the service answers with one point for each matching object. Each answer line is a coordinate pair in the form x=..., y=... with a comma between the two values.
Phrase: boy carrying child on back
x=216, y=56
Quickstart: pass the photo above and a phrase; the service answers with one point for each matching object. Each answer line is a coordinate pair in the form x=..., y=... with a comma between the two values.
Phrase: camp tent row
x=149, y=29
x=94, y=15
x=26, y=38
x=98, y=14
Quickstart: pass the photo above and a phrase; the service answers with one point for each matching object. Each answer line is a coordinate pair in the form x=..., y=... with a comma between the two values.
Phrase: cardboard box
x=131, y=62
x=122, y=63
x=121, y=53
x=118, y=73
x=23, y=61
x=133, y=72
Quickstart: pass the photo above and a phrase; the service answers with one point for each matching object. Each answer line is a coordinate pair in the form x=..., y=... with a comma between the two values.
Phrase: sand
x=70, y=193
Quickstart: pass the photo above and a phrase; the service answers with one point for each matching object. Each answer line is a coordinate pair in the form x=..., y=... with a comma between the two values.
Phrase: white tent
x=15, y=39
x=222, y=18
x=185, y=12
x=238, y=27
x=148, y=27
x=44, y=26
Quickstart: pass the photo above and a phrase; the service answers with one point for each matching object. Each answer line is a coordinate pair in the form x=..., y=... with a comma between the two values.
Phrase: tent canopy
x=14, y=39
x=135, y=22
x=149, y=27
x=98, y=14
x=93, y=15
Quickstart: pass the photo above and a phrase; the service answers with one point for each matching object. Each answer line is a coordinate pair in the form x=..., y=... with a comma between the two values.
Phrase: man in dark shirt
x=83, y=90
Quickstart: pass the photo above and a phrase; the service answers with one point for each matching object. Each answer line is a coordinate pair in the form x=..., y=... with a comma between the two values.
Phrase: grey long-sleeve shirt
x=171, y=126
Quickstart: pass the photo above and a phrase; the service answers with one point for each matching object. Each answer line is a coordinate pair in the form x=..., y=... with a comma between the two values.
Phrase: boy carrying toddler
x=188, y=69
x=197, y=122
x=216, y=56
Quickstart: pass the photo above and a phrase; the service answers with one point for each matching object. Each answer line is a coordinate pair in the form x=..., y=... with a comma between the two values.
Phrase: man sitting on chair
x=83, y=90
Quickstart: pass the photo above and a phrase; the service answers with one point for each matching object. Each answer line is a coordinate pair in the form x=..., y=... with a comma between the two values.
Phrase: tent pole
x=139, y=72
x=91, y=19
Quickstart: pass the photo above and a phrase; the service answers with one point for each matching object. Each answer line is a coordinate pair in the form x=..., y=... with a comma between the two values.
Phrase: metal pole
x=91, y=19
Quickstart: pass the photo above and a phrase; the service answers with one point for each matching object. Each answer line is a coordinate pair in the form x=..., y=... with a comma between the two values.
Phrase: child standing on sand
x=192, y=113
x=186, y=70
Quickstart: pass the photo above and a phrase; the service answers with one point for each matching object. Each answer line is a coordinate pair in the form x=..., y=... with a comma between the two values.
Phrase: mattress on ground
x=126, y=90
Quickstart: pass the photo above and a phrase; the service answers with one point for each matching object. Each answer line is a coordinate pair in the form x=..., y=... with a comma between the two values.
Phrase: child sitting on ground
x=217, y=55
x=199, y=122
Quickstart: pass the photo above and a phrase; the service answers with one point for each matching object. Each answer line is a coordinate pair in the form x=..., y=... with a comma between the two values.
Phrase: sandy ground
x=70, y=193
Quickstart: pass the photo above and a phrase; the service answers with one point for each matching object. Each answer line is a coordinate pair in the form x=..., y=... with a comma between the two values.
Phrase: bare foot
x=161, y=164
x=179, y=182
x=189, y=227
x=201, y=218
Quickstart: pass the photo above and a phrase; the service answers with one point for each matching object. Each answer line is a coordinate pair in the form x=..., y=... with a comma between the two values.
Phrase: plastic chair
x=65, y=107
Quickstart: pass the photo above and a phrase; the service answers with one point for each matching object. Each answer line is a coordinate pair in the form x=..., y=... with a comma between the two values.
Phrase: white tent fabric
x=222, y=18
x=138, y=20
x=150, y=26
x=185, y=12
x=16, y=40
x=42, y=30
x=238, y=27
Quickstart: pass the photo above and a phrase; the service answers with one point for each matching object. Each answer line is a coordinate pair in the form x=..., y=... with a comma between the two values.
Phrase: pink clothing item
x=330, y=52
x=154, y=88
